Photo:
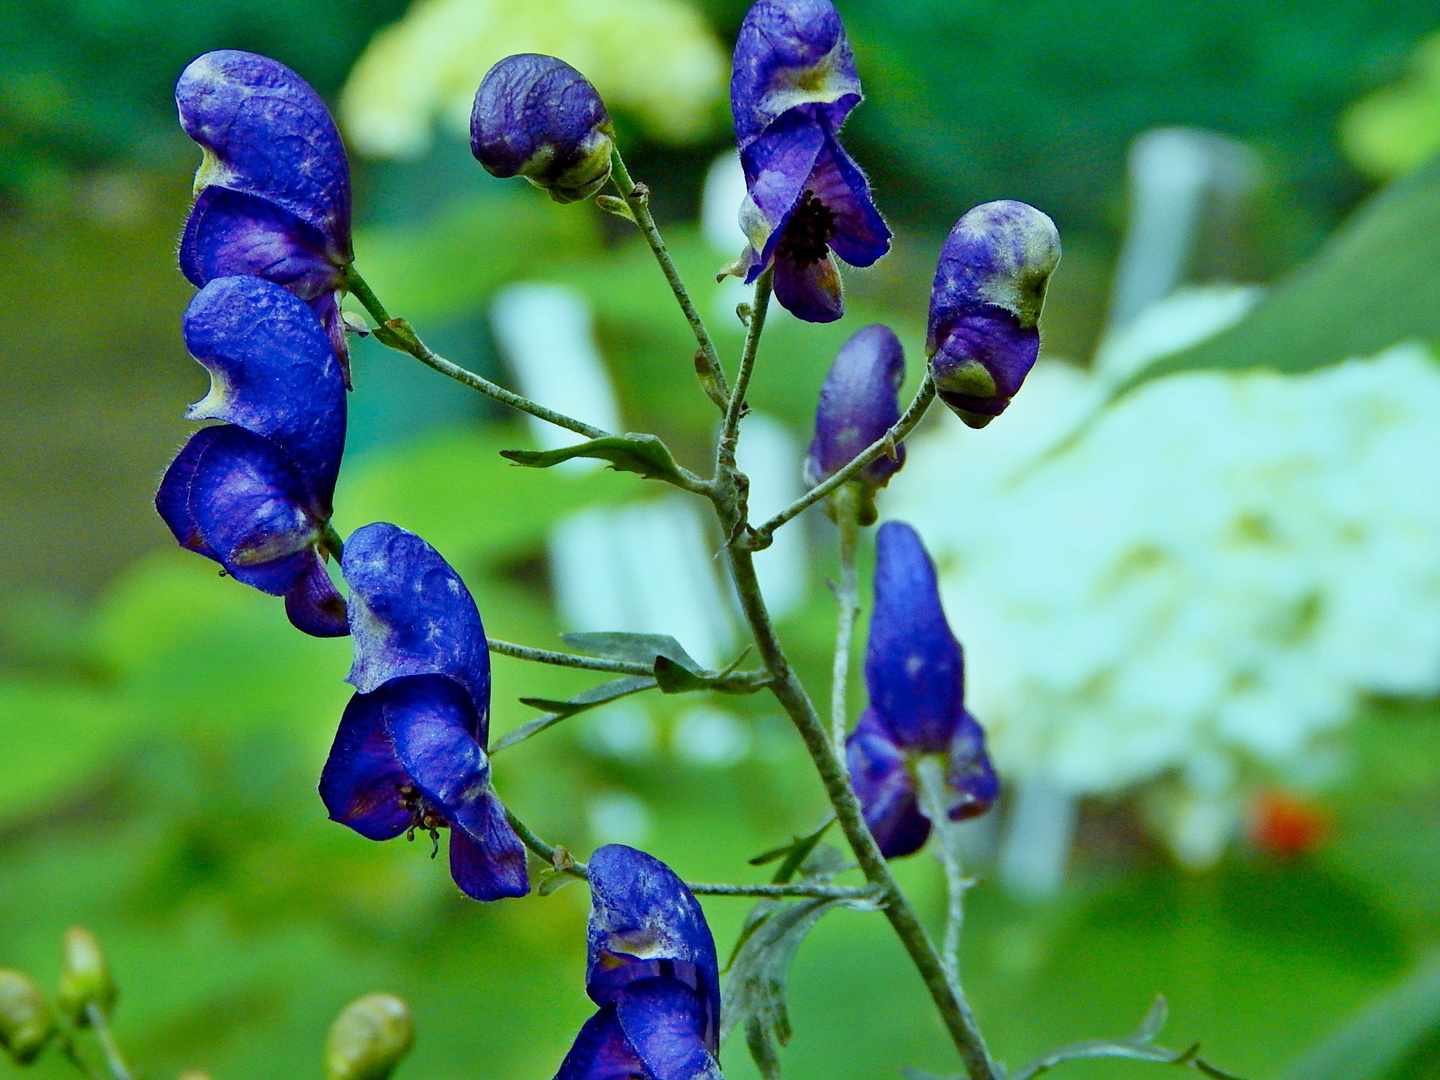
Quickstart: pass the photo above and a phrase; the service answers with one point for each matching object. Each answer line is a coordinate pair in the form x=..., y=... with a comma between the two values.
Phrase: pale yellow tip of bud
x=369, y=1038
x=84, y=978
x=26, y=1021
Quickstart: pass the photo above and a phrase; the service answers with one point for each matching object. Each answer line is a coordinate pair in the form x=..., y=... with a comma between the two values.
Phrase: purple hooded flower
x=254, y=493
x=792, y=86
x=916, y=678
x=859, y=403
x=536, y=116
x=653, y=972
x=985, y=306
x=411, y=750
x=273, y=190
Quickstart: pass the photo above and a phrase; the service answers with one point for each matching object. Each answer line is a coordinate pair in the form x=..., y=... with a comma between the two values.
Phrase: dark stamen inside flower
x=423, y=816
x=807, y=234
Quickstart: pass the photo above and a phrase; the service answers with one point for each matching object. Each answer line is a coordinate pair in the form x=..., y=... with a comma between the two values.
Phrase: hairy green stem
x=727, y=681
x=565, y=863
x=570, y=660
x=399, y=335
x=114, y=1060
x=730, y=429
x=788, y=690
x=847, y=521
x=637, y=198
x=568, y=865
x=799, y=888
x=761, y=535
x=933, y=802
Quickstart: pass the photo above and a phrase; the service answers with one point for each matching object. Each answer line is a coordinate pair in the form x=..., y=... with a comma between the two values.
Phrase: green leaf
x=562, y=710
x=1380, y=1036
x=794, y=853
x=1154, y=1020
x=1373, y=284
x=632, y=648
x=595, y=695
x=632, y=452
x=755, y=990
x=550, y=882
x=1139, y=1047
x=676, y=678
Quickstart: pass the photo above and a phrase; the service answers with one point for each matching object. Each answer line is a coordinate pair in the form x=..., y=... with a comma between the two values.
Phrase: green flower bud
x=84, y=978
x=26, y=1021
x=368, y=1038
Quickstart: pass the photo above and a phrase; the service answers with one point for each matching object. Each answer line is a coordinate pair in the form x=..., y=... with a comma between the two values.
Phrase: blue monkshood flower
x=985, y=306
x=916, y=678
x=273, y=190
x=859, y=403
x=411, y=750
x=653, y=972
x=536, y=116
x=254, y=493
x=792, y=86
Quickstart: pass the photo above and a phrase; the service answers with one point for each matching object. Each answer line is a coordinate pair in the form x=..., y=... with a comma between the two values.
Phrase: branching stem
x=730, y=429
x=847, y=514
x=932, y=792
x=399, y=335
x=760, y=536
x=114, y=1060
x=954, y=1010
x=570, y=660
x=728, y=681
x=798, y=888
x=567, y=865
x=637, y=197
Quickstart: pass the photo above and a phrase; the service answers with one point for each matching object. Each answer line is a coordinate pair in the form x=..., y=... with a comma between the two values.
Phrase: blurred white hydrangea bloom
x=1207, y=576
x=654, y=60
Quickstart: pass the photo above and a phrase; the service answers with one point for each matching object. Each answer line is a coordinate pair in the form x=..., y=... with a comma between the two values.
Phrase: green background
x=161, y=730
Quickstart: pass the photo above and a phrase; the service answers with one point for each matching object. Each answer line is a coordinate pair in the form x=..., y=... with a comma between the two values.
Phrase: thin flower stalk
x=399, y=335
x=637, y=198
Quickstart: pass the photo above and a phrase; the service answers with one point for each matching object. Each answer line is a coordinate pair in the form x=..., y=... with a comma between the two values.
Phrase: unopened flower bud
x=368, y=1038
x=535, y=116
x=858, y=405
x=985, y=306
x=84, y=977
x=26, y=1021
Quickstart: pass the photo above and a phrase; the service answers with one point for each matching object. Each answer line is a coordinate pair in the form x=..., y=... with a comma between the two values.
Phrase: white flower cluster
x=1202, y=579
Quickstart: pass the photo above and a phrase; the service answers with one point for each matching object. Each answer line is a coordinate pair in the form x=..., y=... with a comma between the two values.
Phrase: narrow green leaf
x=1154, y=1021
x=760, y=969
x=1381, y=1035
x=633, y=648
x=632, y=452
x=762, y=1047
x=549, y=882
x=1373, y=284
x=676, y=678
x=561, y=710
x=595, y=695
x=794, y=853
x=619, y=207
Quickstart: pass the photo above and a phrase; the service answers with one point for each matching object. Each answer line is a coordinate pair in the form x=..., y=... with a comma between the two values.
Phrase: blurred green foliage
x=87, y=83
x=984, y=99
x=159, y=747
x=1373, y=284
